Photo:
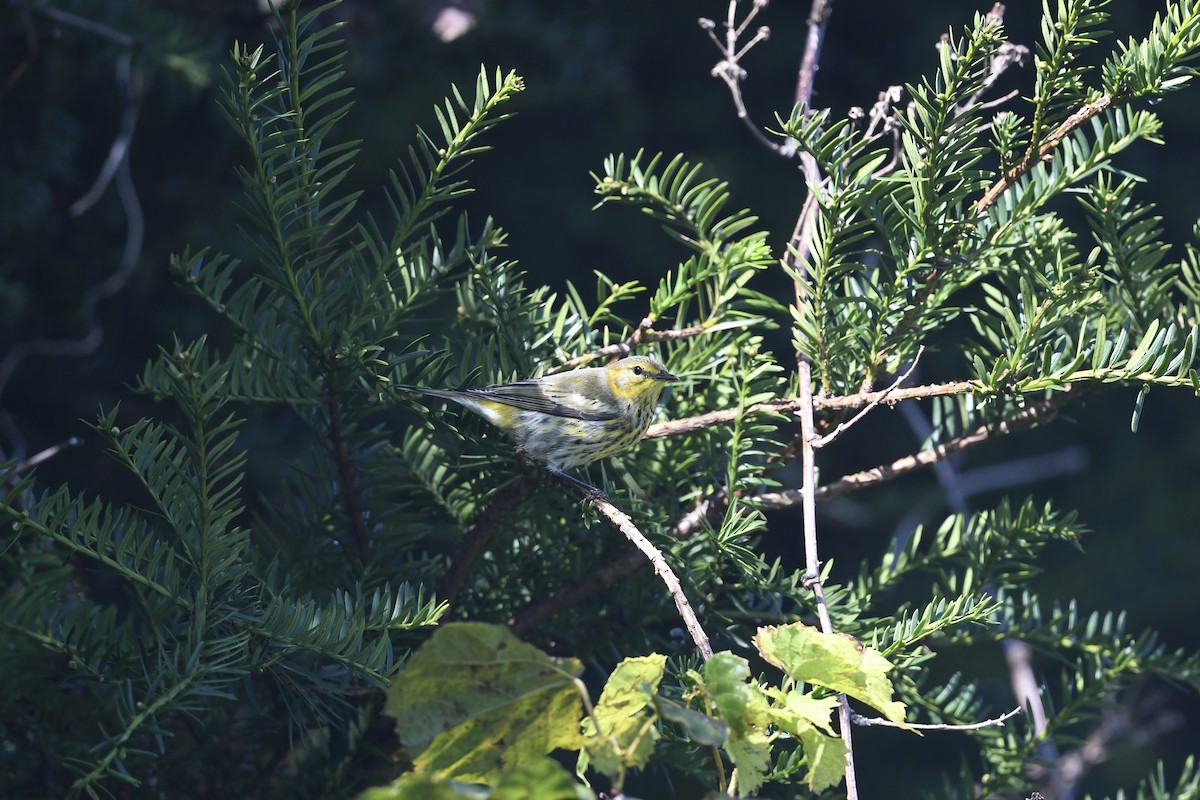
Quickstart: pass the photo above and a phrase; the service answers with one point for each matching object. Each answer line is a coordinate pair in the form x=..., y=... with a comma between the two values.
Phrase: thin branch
x=902, y=466
x=998, y=722
x=1007, y=55
x=118, y=150
x=997, y=101
x=812, y=561
x=729, y=68
x=707, y=510
x=786, y=405
x=644, y=333
x=1018, y=656
x=75, y=21
x=47, y=454
x=1056, y=137
x=828, y=438
x=624, y=524
x=818, y=21
x=130, y=83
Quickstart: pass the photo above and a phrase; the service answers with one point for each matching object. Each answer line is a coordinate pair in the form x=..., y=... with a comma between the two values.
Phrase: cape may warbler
x=571, y=418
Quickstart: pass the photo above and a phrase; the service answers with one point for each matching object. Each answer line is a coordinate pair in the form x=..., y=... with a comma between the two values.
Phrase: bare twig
x=786, y=405
x=120, y=146
x=818, y=21
x=729, y=68
x=842, y=427
x=1018, y=656
x=129, y=80
x=73, y=20
x=644, y=333
x=624, y=524
x=902, y=466
x=998, y=722
x=812, y=562
x=1007, y=55
x=47, y=454
x=709, y=509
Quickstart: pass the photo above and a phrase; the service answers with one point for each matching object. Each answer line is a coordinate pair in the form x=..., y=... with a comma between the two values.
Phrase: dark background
x=602, y=77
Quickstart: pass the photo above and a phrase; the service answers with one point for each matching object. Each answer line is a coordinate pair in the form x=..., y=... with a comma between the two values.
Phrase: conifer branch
x=644, y=333
x=1043, y=152
x=474, y=542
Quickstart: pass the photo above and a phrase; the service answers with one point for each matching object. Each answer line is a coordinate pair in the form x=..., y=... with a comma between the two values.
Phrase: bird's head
x=638, y=379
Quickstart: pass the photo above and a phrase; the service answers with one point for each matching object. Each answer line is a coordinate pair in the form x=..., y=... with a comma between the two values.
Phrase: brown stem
x=644, y=333
x=474, y=542
x=1069, y=125
x=902, y=466
x=818, y=21
x=784, y=405
x=345, y=466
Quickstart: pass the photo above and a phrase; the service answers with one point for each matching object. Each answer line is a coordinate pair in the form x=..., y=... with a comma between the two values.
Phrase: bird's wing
x=545, y=399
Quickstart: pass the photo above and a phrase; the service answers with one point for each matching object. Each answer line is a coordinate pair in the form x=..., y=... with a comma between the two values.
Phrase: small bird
x=571, y=418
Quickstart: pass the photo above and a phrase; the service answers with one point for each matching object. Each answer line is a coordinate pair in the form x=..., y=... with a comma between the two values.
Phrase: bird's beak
x=666, y=376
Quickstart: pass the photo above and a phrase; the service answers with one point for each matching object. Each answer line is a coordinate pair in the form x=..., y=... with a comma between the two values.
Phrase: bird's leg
x=591, y=491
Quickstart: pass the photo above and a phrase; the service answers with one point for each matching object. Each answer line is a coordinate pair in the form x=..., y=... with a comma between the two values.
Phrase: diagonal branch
x=474, y=542
x=661, y=568
x=902, y=466
x=827, y=439
x=1032, y=159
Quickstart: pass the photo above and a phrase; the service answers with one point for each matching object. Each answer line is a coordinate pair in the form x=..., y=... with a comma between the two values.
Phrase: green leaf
x=474, y=698
x=826, y=757
x=700, y=728
x=423, y=787
x=544, y=779
x=835, y=661
x=800, y=711
x=626, y=716
x=751, y=756
x=740, y=704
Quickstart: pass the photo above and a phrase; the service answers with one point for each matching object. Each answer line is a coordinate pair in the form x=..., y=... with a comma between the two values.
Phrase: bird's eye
x=638, y=371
